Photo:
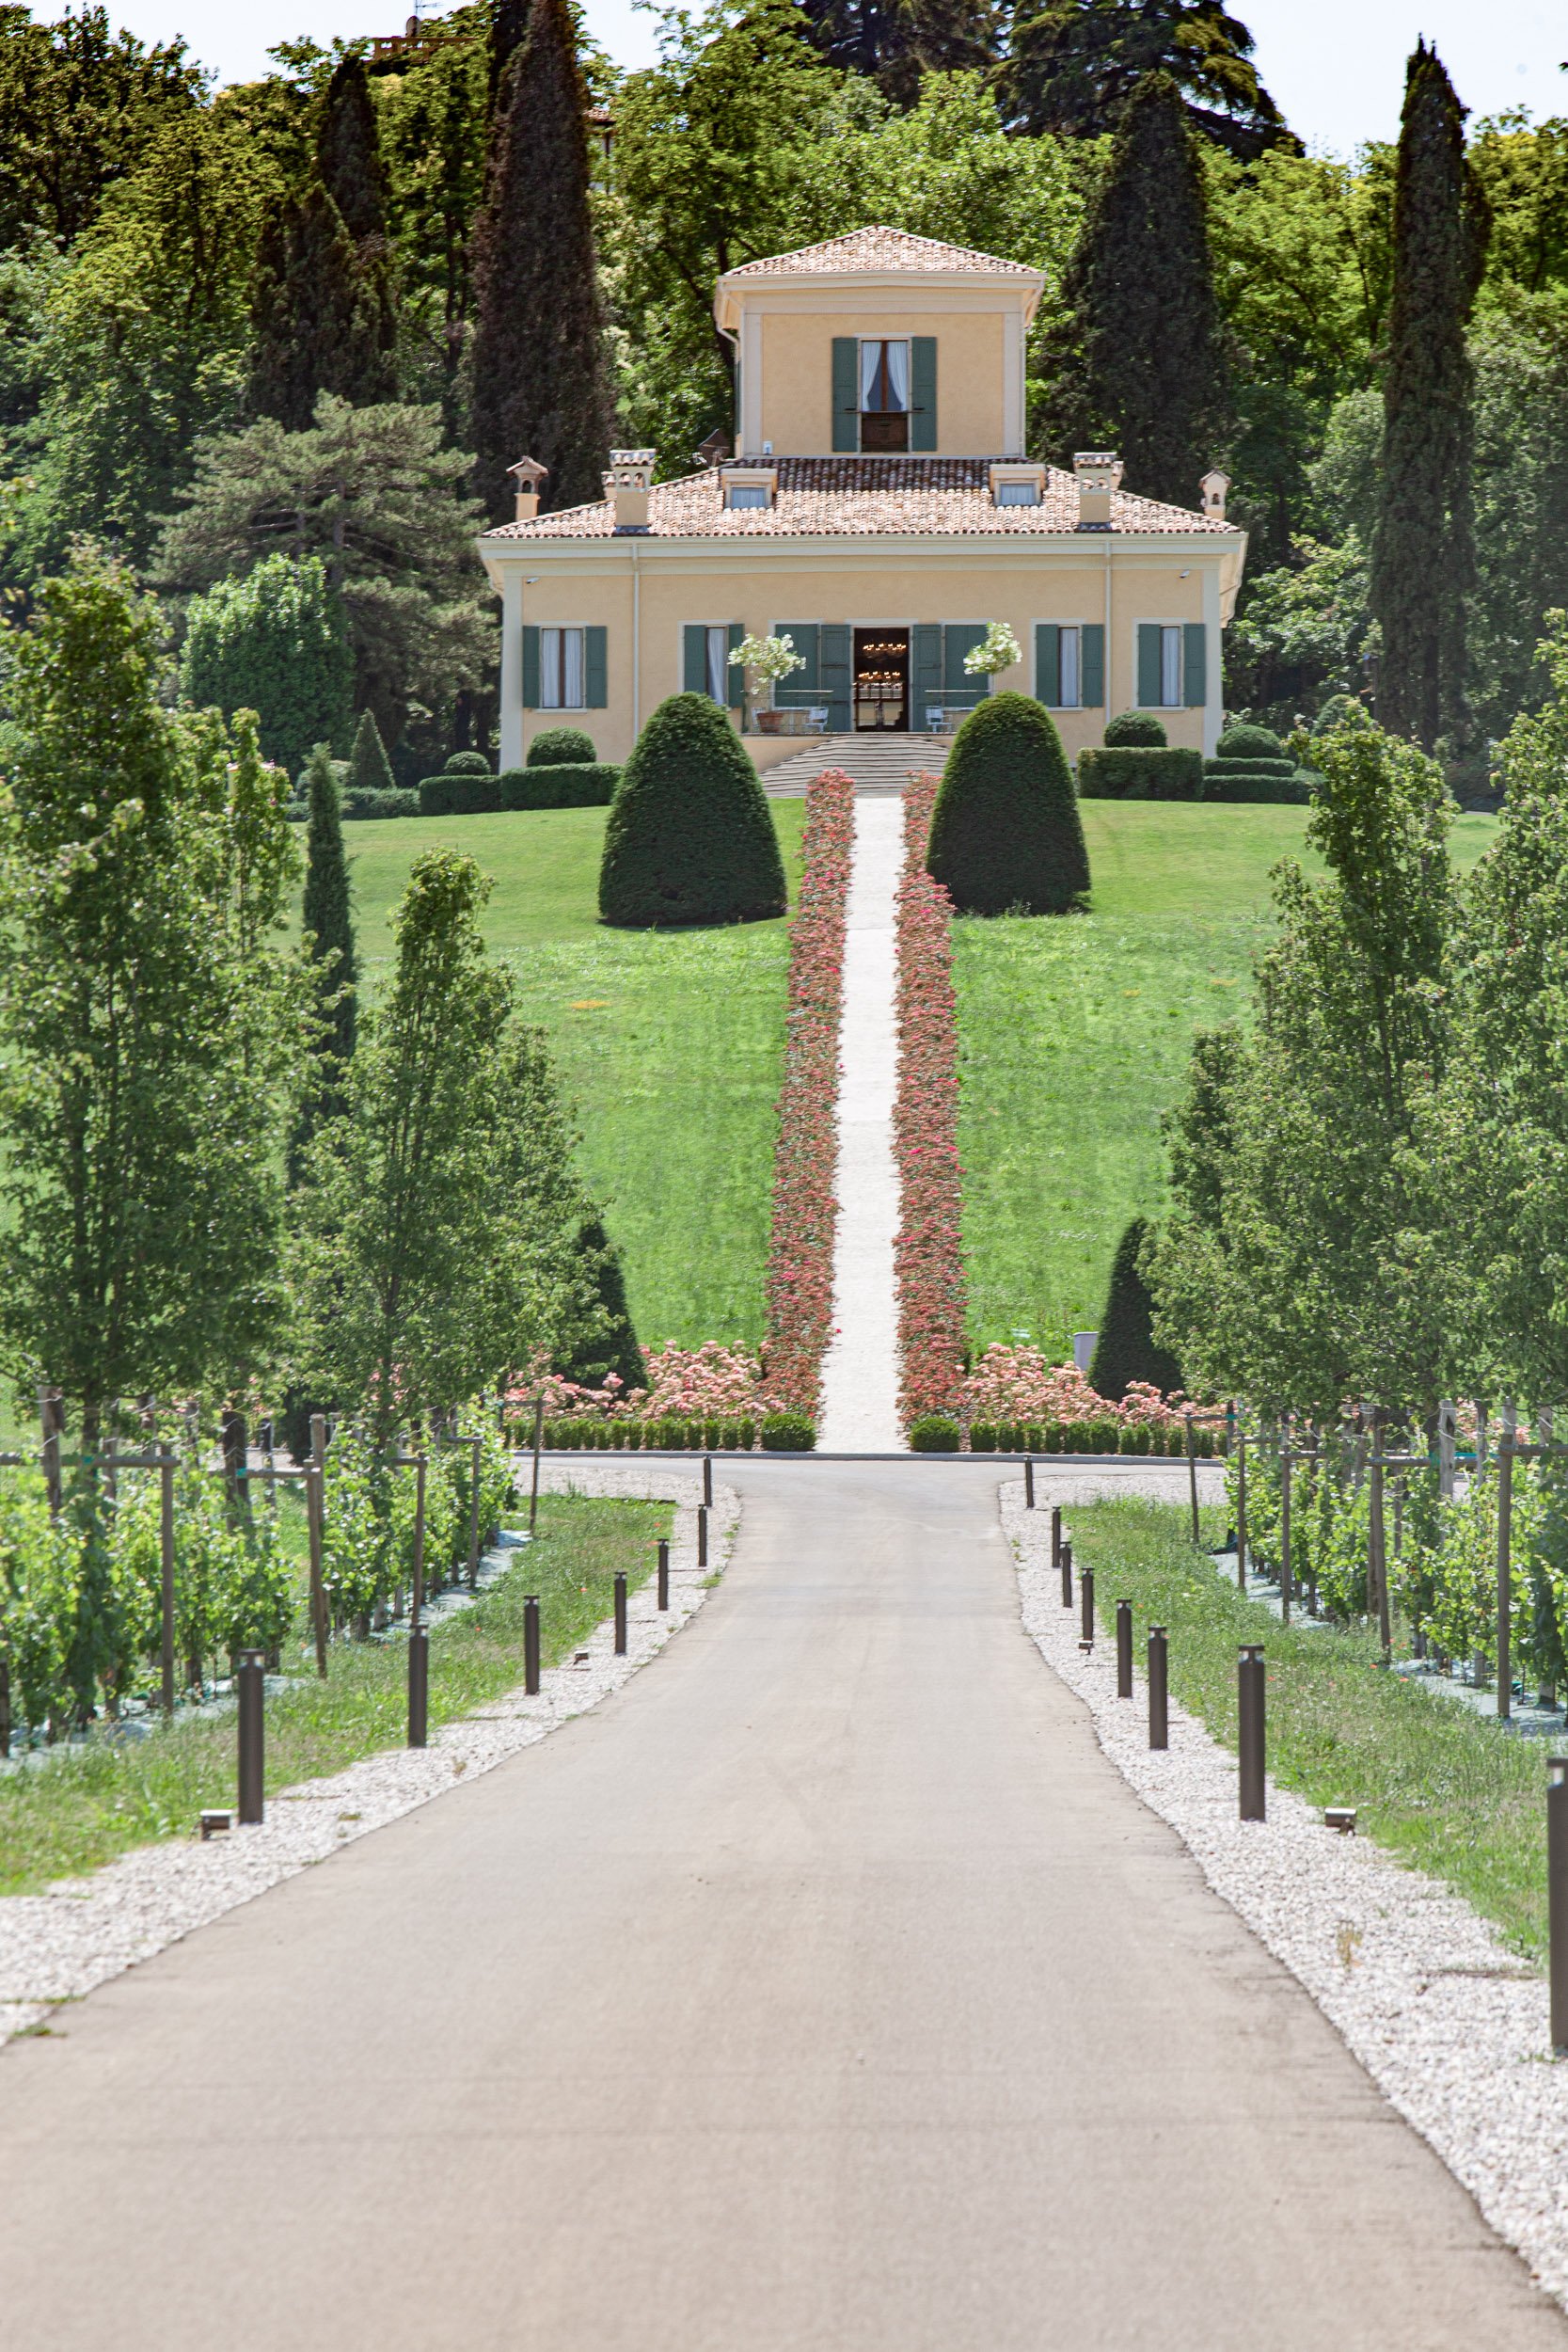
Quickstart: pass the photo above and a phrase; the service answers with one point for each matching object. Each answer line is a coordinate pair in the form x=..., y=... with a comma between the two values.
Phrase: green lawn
x=670, y=1043
x=1444, y=1789
x=84, y=1805
x=1073, y=1036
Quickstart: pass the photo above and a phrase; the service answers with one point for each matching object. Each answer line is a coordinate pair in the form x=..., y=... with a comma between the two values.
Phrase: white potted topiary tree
x=998, y=650
x=764, y=661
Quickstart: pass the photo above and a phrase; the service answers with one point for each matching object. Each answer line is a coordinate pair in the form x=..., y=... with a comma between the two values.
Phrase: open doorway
x=881, y=681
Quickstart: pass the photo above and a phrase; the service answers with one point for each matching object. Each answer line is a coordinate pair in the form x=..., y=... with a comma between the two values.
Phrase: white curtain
x=719, y=664
x=897, y=377
x=871, y=361
x=571, y=694
x=549, y=669
x=1170, y=668
x=1073, y=685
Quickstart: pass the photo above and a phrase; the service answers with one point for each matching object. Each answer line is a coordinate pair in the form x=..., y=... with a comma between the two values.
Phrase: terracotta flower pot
x=770, y=722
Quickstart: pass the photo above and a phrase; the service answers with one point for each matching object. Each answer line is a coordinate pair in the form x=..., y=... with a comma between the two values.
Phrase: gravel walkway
x=1451, y=2027
x=860, y=1373
x=59, y=1946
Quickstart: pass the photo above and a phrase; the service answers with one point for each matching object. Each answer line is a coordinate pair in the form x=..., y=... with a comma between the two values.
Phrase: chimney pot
x=1099, y=473
x=528, y=474
x=1214, y=487
x=627, y=483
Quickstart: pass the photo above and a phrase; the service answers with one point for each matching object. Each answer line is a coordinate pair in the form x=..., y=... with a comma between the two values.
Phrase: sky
x=1335, y=66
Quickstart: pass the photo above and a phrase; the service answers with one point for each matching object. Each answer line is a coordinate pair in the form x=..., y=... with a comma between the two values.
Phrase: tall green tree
x=417, y=1277
x=80, y=102
x=1423, y=556
x=273, y=641
x=1136, y=362
x=328, y=922
x=1073, y=65
x=378, y=497
x=541, y=383
x=145, y=1029
x=895, y=43
x=434, y=124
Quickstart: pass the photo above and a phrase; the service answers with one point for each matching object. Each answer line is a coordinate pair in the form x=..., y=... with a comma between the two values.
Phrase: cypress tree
x=369, y=767
x=1423, y=555
x=322, y=308
x=1006, y=831
x=328, y=916
x=612, y=1347
x=1136, y=362
x=689, y=838
x=540, y=383
x=508, y=23
x=1126, y=1350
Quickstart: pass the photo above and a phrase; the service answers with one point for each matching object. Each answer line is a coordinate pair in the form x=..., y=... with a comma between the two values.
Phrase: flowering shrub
x=927, y=1254
x=998, y=650
x=1017, y=1384
x=801, y=1254
x=708, y=1383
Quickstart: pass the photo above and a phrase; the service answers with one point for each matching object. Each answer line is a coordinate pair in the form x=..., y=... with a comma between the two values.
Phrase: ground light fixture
x=1557, y=1897
x=1249, y=1711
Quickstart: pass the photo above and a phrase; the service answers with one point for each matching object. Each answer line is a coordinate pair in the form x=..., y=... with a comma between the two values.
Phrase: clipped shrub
x=558, y=747
x=690, y=837
x=1125, y=1350
x=787, y=1433
x=368, y=769
x=1134, y=773
x=461, y=793
x=982, y=1437
x=392, y=803
x=570, y=784
x=1006, y=829
x=1135, y=730
x=934, y=1433
x=1256, y=780
x=1246, y=741
x=467, y=764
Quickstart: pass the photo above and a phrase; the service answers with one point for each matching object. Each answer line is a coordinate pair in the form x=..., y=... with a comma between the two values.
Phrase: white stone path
x=860, y=1374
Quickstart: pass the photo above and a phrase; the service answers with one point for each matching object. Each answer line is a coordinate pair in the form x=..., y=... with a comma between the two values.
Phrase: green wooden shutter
x=1048, y=664
x=923, y=393
x=926, y=671
x=1195, y=665
x=694, y=657
x=531, y=669
x=593, y=669
x=1091, y=664
x=847, y=394
x=961, y=688
x=1149, y=665
x=837, y=661
x=801, y=688
x=737, y=675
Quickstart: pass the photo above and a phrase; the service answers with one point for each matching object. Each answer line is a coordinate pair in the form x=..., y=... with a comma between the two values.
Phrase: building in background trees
x=1423, y=556
x=541, y=384
x=1073, y=65
x=1136, y=361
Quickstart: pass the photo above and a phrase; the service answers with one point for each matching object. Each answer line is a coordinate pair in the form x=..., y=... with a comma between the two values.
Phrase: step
x=880, y=764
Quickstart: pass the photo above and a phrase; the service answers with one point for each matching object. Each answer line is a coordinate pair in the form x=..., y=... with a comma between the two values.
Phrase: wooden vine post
x=1506, y=1438
x=315, y=1512
x=1241, y=1501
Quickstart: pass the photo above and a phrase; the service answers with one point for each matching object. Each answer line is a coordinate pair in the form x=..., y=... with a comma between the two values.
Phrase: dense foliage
x=689, y=838
x=1006, y=831
x=273, y=641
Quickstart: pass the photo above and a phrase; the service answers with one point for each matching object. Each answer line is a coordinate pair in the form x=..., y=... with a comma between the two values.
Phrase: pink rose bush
x=928, y=1253
x=805, y=1209
x=1017, y=1384
x=708, y=1383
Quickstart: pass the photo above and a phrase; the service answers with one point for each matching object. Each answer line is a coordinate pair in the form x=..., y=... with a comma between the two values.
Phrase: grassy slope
x=85, y=1804
x=670, y=1044
x=1444, y=1789
x=1073, y=1038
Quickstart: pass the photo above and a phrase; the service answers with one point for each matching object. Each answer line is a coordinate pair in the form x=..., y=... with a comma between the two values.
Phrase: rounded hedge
x=787, y=1433
x=558, y=747
x=467, y=764
x=689, y=838
x=1249, y=743
x=1137, y=730
x=933, y=1433
x=1005, y=830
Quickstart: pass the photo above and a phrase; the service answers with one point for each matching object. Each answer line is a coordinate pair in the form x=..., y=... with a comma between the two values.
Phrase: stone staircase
x=878, y=763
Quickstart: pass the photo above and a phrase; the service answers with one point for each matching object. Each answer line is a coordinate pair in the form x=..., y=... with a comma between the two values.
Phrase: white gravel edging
x=58, y=1945
x=1452, y=2027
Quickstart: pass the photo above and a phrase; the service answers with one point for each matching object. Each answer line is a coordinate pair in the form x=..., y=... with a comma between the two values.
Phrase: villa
x=880, y=511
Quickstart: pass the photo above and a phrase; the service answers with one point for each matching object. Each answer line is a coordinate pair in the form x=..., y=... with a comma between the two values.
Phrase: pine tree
x=1125, y=1350
x=323, y=311
x=369, y=767
x=895, y=42
x=1074, y=64
x=328, y=918
x=540, y=382
x=1423, y=555
x=1136, y=361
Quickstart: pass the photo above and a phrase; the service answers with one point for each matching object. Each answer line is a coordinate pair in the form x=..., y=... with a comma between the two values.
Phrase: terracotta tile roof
x=868, y=497
x=881, y=248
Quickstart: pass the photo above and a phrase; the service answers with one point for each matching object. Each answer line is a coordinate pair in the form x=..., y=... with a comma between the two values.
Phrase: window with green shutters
x=846, y=395
x=1069, y=665
x=565, y=668
x=886, y=381
x=923, y=393
x=962, y=688
x=1173, y=665
x=705, y=665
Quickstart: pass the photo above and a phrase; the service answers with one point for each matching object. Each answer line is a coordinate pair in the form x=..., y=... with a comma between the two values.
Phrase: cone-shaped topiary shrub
x=560, y=747
x=611, y=1346
x=1125, y=1350
x=1135, y=730
x=689, y=838
x=369, y=767
x=1006, y=829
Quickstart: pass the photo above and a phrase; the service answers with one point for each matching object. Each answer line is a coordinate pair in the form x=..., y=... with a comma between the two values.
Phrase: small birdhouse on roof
x=528, y=474
x=1214, y=487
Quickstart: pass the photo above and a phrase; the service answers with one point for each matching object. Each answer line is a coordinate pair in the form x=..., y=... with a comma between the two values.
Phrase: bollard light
x=1249, y=1710
x=1055, y=1535
x=1067, y=1576
x=1557, y=1897
x=664, y=1573
x=419, y=1685
x=1124, y=1649
x=707, y=1481
x=1086, y=1588
x=250, y=1686
x=702, y=1534
x=1159, y=1668
x=1028, y=1482
x=620, y=1612
x=530, y=1645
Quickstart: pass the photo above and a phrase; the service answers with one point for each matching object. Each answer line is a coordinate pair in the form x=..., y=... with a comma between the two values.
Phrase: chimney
x=1099, y=472
x=712, y=451
x=1214, y=486
x=528, y=474
x=631, y=473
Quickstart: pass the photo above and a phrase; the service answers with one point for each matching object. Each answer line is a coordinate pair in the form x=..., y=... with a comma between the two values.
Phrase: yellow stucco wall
x=762, y=587
x=797, y=377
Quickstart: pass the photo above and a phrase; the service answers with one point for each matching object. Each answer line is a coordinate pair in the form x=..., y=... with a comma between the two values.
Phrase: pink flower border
x=928, y=1252
x=805, y=1207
